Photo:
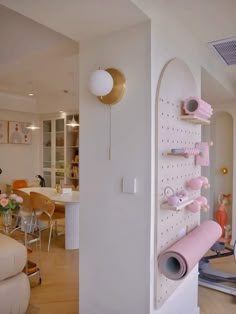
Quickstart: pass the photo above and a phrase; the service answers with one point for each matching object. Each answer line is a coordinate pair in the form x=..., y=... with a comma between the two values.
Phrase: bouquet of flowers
x=11, y=202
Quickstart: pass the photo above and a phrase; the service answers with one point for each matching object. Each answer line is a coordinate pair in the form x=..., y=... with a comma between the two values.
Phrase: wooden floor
x=215, y=302
x=58, y=293
x=59, y=290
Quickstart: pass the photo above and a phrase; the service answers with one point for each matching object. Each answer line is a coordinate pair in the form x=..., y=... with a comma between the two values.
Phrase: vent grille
x=225, y=49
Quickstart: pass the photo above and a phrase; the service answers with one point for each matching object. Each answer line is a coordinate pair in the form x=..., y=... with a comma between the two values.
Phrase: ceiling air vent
x=225, y=49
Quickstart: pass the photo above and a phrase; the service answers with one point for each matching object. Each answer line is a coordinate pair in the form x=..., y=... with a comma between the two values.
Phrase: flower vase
x=7, y=220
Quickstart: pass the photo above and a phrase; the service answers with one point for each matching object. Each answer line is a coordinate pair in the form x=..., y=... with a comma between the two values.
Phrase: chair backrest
x=42, y=203
x=18, y=184
x=26, y=205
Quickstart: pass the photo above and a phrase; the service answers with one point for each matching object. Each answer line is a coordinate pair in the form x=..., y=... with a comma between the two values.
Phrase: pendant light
x=32, y=126
x=31, y=90
x=73, y=123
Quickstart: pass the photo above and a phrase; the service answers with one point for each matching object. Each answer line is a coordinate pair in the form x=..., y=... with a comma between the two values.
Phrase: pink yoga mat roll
x=179, y=259
x=197, y=106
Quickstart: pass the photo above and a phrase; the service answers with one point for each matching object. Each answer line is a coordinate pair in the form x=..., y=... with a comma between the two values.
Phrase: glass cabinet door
x=47, y=144
x=53, y=151
x=59, y=150
x=72, y=153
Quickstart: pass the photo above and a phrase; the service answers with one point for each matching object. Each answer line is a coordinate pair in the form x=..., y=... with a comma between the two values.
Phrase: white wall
x=19, y=161
x=170, y=39
x=115, y=227
x=117, y=230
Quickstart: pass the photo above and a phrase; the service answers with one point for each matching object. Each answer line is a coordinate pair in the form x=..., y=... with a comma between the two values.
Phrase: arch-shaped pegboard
x=176, y=83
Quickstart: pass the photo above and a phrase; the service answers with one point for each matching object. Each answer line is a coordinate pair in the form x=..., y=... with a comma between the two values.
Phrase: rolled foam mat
x=179, y=259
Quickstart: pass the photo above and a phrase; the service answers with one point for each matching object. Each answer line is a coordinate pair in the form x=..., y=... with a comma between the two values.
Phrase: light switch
x=129, y=185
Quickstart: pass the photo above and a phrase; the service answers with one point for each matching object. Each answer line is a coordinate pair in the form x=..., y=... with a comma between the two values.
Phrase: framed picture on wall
x=3, y=132
x=18, y=133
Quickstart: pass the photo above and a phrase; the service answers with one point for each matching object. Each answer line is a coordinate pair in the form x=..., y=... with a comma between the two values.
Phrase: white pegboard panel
x=173, y=171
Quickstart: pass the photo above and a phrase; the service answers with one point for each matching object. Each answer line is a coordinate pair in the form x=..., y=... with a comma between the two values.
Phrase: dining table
x=72, y=204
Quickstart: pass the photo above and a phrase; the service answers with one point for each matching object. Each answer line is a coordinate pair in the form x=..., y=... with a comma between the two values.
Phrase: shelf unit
x=194, y=119
x=176, y=208
x=179, y=155
x=72, y=153
x=60, y=150
x=53, y=148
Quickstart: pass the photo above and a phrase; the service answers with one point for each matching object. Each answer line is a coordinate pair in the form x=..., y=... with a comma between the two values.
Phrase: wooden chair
x=26, y=211
x=44, y=208
x=28, y=220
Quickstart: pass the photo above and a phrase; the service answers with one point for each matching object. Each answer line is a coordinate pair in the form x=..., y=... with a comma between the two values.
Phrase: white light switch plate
x=129, y=185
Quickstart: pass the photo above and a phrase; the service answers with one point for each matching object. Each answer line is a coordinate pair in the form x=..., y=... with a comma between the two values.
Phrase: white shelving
x=60, y=151
x=194, y=119
x=179, y=155
x=72, y=153
x=176, y=208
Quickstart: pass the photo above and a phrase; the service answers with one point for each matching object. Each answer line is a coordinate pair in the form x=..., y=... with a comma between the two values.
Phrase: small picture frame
x=3, y=132
x=18, y=133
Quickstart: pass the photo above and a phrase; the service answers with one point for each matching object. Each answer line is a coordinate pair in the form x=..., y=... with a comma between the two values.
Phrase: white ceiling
x=37, y=52
x=80, y=19
x=208, y=20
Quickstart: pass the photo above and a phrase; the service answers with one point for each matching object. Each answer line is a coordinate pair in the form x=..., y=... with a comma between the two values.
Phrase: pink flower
x=19, y=199
x=3, y=195
x=4, y=202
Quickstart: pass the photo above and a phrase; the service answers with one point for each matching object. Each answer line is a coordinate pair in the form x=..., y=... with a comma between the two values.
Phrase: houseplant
x=9, y=204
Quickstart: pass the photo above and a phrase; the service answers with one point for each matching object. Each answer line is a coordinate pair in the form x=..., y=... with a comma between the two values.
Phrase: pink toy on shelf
x=198, y=183
x=185, y=150
x=203, y=203
x=200, y=203
x=176, y=198
x=197, y=107
x=203, y=158
x=194, y=207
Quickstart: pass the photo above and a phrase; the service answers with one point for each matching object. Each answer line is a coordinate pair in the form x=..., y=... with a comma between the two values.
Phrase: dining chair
x=30, y=228
x=25, y=213
x=44, y=208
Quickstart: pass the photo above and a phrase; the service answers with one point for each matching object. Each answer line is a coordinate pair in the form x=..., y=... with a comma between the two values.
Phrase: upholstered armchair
x=14, y=284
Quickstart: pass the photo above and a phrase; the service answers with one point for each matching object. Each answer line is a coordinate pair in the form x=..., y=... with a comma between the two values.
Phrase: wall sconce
x=109, y=87
x=224, y=170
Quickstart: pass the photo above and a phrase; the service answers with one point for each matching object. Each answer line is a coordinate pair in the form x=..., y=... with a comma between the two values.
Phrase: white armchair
x=14, y=284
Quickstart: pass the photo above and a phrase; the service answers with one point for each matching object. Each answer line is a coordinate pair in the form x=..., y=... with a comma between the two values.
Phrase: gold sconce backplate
x=117, y=92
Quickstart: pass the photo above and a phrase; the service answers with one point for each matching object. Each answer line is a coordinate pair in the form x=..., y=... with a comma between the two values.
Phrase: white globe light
x=100, y=83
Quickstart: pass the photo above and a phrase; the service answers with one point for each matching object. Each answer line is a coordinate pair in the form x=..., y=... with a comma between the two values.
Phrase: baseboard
x=197, y=310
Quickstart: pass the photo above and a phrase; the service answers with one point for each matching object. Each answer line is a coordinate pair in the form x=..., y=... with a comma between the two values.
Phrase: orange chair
x=25, y=211
x=44, y=209
x=19, y=184
x=29, y=222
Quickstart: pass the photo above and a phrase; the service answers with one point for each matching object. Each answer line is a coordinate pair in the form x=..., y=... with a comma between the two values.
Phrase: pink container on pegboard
x=197, y=107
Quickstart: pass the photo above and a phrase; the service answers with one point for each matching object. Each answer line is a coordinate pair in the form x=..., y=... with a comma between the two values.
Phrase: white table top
x=72, y=197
